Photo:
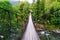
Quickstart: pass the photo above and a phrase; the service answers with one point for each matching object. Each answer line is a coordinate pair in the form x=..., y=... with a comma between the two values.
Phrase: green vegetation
x=8, y=21
x=14, y=18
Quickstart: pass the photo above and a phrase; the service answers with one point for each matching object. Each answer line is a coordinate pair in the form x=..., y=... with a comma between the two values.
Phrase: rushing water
x=30, y=33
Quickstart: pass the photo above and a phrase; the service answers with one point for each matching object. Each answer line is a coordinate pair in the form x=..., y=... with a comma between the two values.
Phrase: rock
x=56, y=31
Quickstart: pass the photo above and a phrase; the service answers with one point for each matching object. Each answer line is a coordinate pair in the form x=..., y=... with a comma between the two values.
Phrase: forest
x=14, y=18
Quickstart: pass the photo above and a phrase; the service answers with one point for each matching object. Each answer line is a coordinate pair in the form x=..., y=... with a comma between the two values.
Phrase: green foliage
x=24, y=10
x=9, y=26
x=47, y=12
x=5, y=0
x=54, y=13
x=14, y=18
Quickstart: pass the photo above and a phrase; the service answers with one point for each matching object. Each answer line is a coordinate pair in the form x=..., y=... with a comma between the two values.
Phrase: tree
x=8, y=20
